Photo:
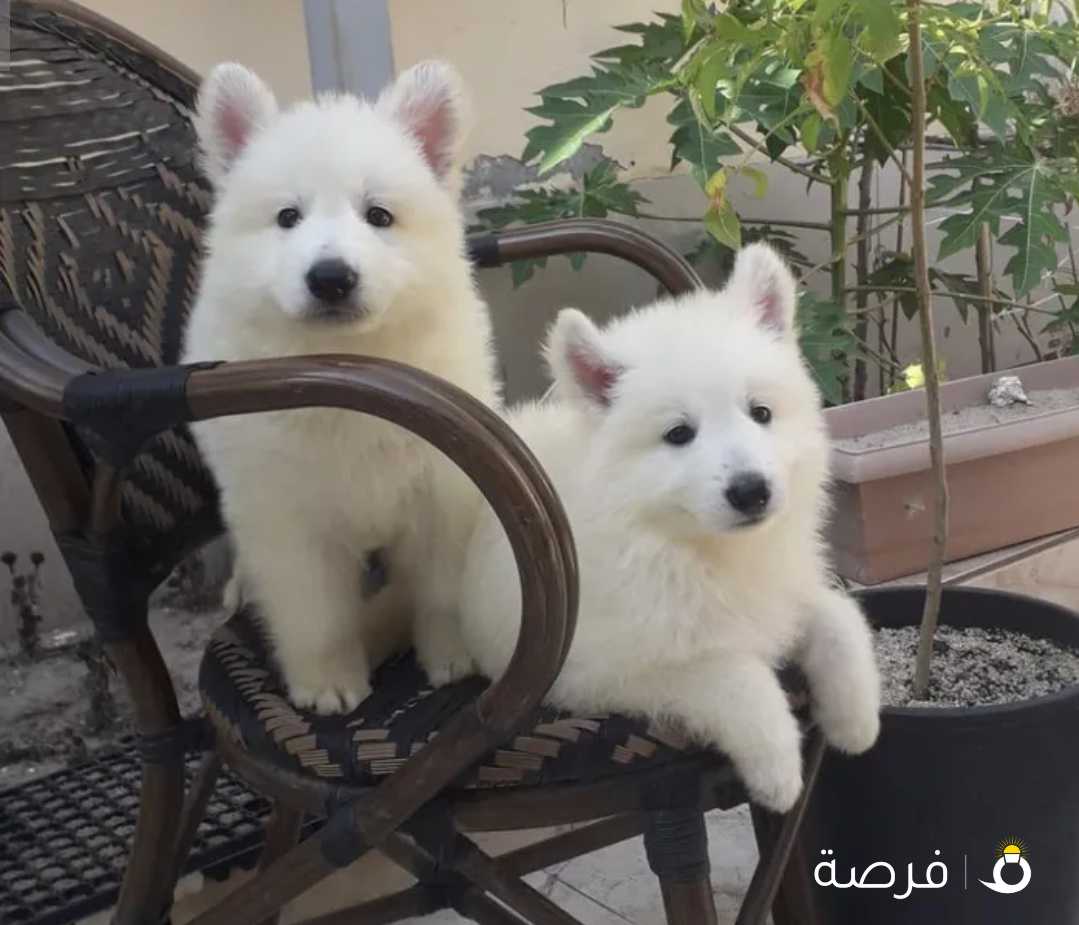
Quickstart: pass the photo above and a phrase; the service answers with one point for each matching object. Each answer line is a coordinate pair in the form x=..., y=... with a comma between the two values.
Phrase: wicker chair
x=100, y=211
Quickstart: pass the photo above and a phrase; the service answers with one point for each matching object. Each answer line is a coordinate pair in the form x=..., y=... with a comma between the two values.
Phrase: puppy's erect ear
x=234, y=104
x=762, y=283
x=582, y=367
x=428, y=100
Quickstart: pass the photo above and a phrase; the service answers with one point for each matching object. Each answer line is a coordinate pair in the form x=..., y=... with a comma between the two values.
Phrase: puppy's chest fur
x=653, y=600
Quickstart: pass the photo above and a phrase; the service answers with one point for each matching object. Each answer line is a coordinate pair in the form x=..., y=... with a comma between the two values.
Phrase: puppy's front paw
x=851, y=728
x=774, y=790
x=448, y=667
x=328, y=700
x=775, y=781
x=441, y=651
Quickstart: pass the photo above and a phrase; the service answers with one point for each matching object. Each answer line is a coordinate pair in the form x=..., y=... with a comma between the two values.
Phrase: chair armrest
x=39, y=376
x=33, y=370
x=587, y=235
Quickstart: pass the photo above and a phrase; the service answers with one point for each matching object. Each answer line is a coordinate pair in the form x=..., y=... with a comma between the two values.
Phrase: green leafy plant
x=823, y=88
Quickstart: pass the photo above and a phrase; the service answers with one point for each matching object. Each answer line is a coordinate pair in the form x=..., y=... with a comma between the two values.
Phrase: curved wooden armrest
x=587, y=235
x=42, y=377
x=503, y=468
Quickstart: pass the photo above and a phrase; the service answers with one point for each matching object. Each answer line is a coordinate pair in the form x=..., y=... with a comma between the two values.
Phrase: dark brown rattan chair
x=100, y=211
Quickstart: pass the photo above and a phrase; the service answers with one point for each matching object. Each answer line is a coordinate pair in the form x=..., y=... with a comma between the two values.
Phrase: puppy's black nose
x=331, y=280
x=749, y=493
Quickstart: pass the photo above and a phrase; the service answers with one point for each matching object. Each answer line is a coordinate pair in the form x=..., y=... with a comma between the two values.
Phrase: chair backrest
x=101, y=210
x=101, y=206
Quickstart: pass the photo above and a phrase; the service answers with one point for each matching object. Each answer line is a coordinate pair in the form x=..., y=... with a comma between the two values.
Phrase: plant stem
x=840, y=256
x=840, y=171
x=872, y=123
x=904, y=209
x=761, y=149
x=952, y=294
x=696, y=219
x=935, y=572
x=983, y=260
x=883, y=210
x=861, y=326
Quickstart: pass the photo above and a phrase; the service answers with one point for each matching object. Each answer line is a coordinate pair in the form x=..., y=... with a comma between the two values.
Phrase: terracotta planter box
x=1009, y=482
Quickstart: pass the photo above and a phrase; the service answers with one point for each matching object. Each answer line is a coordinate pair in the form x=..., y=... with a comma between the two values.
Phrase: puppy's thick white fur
x=307, y=493
x=686, y=608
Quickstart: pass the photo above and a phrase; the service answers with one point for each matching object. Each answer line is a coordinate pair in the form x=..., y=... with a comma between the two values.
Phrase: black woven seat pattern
x=246, y=701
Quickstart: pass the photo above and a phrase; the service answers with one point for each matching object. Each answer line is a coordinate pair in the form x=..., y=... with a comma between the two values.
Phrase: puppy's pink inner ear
x=235, y=126
x=595, y=378
x=432, y=125
x=768, y=303
x=769, y=310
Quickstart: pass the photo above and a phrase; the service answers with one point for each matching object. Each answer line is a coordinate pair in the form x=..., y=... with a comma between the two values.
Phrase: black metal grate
x=64, y=839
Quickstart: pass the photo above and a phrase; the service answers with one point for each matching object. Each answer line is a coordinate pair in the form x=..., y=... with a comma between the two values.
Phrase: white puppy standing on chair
x=687, y=444
x=336, y=230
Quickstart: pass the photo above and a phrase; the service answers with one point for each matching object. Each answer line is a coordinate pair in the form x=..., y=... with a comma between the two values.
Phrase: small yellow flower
x=914, y=376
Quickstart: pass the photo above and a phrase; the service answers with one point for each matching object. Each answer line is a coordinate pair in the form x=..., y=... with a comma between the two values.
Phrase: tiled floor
x=609, y=887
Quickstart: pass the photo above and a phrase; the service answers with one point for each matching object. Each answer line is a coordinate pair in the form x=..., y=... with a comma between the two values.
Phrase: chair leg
x=778, y=885
x=676, y=843
x=146, y=894
x=282, y=834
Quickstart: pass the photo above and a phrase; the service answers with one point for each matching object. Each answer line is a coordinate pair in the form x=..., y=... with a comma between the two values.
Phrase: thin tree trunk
x=861, y=326
x=934, y=577
x=840, y=171
x=983, y=259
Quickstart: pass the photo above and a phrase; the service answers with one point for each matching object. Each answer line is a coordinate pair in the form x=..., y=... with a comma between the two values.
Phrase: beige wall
x=266, y=35
x=508, y=49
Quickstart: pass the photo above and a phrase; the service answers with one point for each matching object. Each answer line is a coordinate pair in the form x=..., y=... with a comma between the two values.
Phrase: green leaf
x=881, y=39
x=579, y=108
x=759, y=178
x=771, y=101
x=826, y=340
x=521, y=271
x=810, y=131
x=898, y=273
x=891, y=113
x=998, y=186
x=953, y=115
x=711, y=70
x=872, y=79
x=696, y=144
x=825, y=11
x=564, y=139
x=838, y=61
x=694, y=14
x=723, y=224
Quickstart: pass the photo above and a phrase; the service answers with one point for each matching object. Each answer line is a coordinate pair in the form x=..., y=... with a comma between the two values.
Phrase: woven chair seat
x=246, y=701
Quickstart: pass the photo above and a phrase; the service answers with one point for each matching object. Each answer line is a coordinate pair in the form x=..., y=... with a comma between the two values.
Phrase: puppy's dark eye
x=680, y=435
x=379, y=217
x=288, y=218
x=762, y=414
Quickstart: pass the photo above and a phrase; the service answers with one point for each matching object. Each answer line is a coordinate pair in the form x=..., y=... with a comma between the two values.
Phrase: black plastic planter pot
x=963, y=782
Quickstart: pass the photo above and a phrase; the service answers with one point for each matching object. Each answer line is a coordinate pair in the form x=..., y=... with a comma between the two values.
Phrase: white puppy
x=336, y=230
x=687, y=444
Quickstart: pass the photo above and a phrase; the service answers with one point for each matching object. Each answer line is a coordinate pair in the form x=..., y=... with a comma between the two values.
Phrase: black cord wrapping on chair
x=677, y=844
x=119, y=410
x=483, y=251
x=341, y=841
x=171, y=746
x=112, y=590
